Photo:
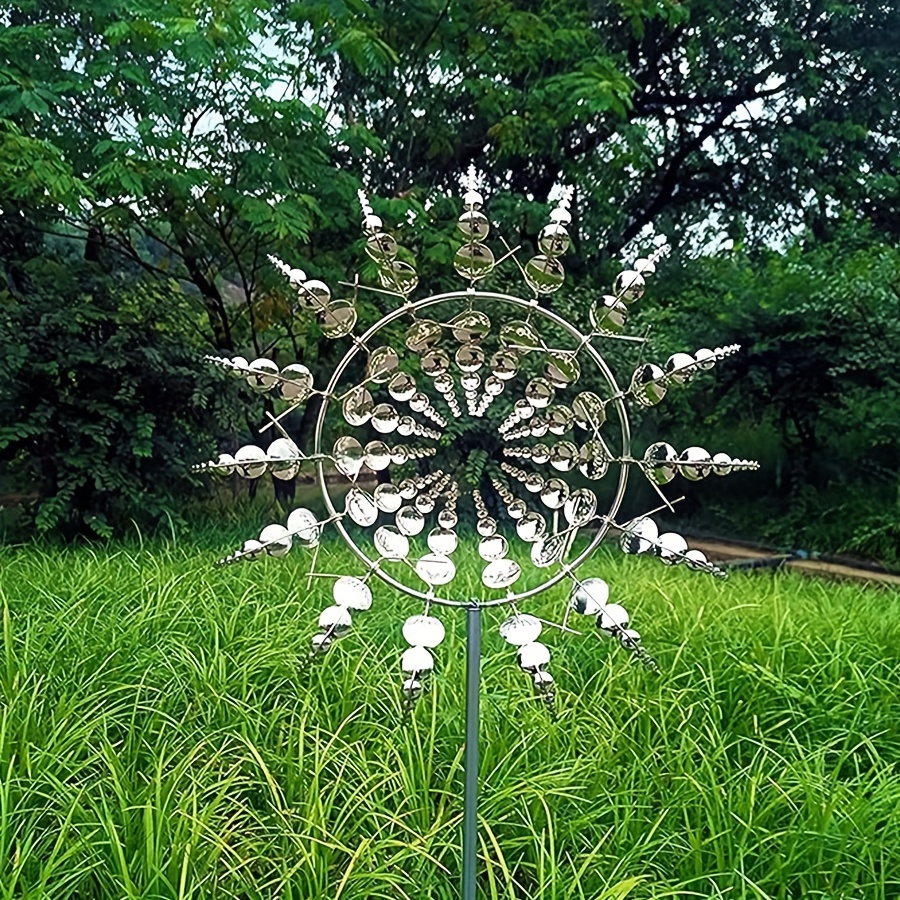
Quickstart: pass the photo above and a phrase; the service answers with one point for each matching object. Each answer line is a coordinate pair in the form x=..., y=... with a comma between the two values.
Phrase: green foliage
x=191, y=162
x=33, y=169
x=103, y=408
x=190, y=140
x=819, y=325
x=164, y=736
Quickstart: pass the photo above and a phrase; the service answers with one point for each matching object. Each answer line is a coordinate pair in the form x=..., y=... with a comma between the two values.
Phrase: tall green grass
x=163, y=736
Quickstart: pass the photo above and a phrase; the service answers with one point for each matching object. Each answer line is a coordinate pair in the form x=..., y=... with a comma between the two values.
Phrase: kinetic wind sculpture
x=565, y=435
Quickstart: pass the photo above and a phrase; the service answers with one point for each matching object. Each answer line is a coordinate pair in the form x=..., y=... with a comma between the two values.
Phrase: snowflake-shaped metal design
x=552, y=424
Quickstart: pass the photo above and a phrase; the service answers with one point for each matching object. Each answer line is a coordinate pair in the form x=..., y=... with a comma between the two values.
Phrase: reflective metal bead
x=469, y=358
x=531, y=527
x=647, y=385
x=608, y=315
x=410, y=521
x=706, y=359
x=473, y=200
x=500, y=573
x=554, y=240
x=721, y=464
x=400, y=276
x=357, y=407
x=548, y=550
x=492, y=547
x=276, y=540
x=629, y=286
x=314, y=294
x=486, y=526
x=533, y=656
x=539, y=393
x=421, y=337
x=612, y=617
x=262, y=372
x=544, y=275
x=696, y=459
x=696, y=559
x=562, y=369
x=251, y=549
x=474, y=224
x=521, y=629
x=338, y=319
x=659, y=462
x=335, y=619
x=474, y=261
x=321, y=642
x=251, y=461
x=580, y=507
x=377, y=455
x=299, y=382
x=671, y=548
x=304, y=527
x=382, y=364
x=390, y=543
x=423, y=631
x=639, y=536
x=442, y=541
x=590, y=596
x=360, y=507
x=416, y=659
x=381, y=247
x=239, y=364
x=224, y=465
x=385, y=418
x=372, y=223
x=470, y=326
x=680, y=367
x=352, y=593
x=589, y=411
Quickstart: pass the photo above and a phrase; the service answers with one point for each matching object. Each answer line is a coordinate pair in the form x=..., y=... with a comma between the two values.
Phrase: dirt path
x=742, y=555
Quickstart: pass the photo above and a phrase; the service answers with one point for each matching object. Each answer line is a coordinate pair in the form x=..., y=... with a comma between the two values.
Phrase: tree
x=183, y=152
x=764, y=117
x=102, y=409
x=189, y=140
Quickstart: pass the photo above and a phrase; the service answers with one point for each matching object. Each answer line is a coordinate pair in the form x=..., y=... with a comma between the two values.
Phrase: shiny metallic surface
x=352, y=593
x=521, y=629
x=589, y=597
x=543, y=425
x=435, y=569
x=423, y=631
x=533, y=656
x=544, y=274
x=440, y=443
x=648, y=385
x=659, y=462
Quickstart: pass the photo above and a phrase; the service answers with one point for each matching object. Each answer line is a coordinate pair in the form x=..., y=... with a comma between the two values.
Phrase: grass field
x=162, y=736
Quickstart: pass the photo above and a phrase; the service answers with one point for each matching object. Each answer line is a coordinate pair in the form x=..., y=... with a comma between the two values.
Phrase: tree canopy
x=197, y=137
x=179, y=143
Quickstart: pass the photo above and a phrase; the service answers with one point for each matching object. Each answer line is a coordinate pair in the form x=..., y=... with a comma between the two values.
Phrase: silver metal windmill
x=556, y=423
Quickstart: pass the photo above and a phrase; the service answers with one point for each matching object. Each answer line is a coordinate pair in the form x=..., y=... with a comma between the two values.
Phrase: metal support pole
x=470, y=801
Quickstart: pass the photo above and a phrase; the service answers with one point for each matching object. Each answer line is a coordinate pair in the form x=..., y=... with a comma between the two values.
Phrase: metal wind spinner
x=558, y=449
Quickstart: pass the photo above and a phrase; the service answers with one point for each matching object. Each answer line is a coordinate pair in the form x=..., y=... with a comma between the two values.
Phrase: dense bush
x=815, y=389
x=103, y=408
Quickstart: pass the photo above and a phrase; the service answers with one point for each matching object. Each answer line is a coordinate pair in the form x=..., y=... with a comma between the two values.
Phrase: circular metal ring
x=470, y=297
